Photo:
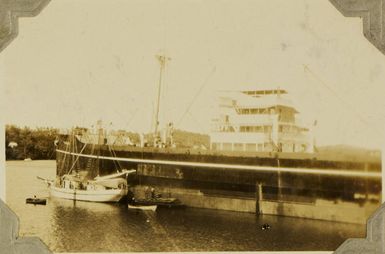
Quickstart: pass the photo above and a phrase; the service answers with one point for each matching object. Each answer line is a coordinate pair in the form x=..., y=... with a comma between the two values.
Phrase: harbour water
x=67, y=226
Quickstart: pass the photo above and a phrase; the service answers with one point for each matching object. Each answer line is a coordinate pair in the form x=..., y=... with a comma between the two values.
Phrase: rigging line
x=120, y=166
x=77, y=159
x=196, y=96
x=114, y=154
x=132, y=117
x=126, y=124
x=109, y=148
x=51, y=154
x=362, y=119
x=197, y=122
x=112, y=151
x=91, y=162
x=64, y=159
x=74, y=148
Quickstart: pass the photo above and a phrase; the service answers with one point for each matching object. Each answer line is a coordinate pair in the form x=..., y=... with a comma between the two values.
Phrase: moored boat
x=143, y=207
x=160, y=202
x=109, y=188
x=36, y=201
x=83, y=182
x=113, y=195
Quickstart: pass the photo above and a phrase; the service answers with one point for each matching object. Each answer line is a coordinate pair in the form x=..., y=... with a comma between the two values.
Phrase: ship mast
x=162, y=61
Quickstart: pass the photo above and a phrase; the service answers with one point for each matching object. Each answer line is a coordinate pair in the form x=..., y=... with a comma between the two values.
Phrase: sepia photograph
x=192, y=126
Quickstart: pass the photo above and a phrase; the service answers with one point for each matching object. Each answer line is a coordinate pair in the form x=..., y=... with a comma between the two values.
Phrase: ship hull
x=299, y=185
x=88, y=195
x=281, y=177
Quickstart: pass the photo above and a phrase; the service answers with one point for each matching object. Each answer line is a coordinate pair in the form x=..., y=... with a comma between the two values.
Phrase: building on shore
x=259, y=120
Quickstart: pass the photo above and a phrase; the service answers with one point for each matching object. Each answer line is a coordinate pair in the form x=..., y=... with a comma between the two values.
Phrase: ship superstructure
x=258, y=120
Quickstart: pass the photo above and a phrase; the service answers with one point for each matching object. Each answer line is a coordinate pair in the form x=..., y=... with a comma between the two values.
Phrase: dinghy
x=36, y=201
x=143, y=207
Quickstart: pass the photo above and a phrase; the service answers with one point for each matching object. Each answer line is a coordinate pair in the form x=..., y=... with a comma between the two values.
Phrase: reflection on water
x=67, y=226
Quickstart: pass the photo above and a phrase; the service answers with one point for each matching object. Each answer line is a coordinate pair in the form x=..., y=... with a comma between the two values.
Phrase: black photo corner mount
x=372, y=13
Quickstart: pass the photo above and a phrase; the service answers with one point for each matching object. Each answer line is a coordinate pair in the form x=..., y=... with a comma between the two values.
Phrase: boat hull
x=161, y=202
x=36, y=201
x=113, y=195
x=143, y=207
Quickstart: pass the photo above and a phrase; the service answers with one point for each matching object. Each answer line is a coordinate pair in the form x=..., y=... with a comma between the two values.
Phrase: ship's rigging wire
x=116, y=163
x=109, y=148
x=346, y=104
x=64, y=160
x=199, y=124
x=91, y=161
x=76, y=160
x=187, y=111
x=132, y=118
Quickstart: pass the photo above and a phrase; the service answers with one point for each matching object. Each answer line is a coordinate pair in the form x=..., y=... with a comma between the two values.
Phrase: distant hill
x=186, y=139
x=347, y=152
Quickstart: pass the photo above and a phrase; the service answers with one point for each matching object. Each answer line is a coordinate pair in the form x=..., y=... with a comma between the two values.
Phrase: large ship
x=260, y=159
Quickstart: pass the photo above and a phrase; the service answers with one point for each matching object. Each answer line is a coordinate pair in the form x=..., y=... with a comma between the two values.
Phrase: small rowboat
x=36, y=201
x=160, y=202
x=143, y=207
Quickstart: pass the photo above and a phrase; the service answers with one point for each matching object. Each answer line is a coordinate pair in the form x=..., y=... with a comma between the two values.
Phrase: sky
x=81, y=61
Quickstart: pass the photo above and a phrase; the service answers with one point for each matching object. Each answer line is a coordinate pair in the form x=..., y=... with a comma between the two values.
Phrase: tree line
x=39, y=143
x=24, y=143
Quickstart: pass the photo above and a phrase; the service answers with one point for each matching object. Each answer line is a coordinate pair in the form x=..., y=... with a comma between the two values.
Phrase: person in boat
x=152, y=192
x=147, y=192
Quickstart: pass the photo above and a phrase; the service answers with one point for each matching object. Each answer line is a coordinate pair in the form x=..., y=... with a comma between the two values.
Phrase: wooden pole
x=258, y=199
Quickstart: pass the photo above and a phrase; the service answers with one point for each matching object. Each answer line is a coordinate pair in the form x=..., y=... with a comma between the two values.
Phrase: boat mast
x=162, y=61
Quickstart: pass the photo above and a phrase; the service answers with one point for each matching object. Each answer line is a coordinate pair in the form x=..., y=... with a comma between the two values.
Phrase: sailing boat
x=110, y=188
x=79, y=185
